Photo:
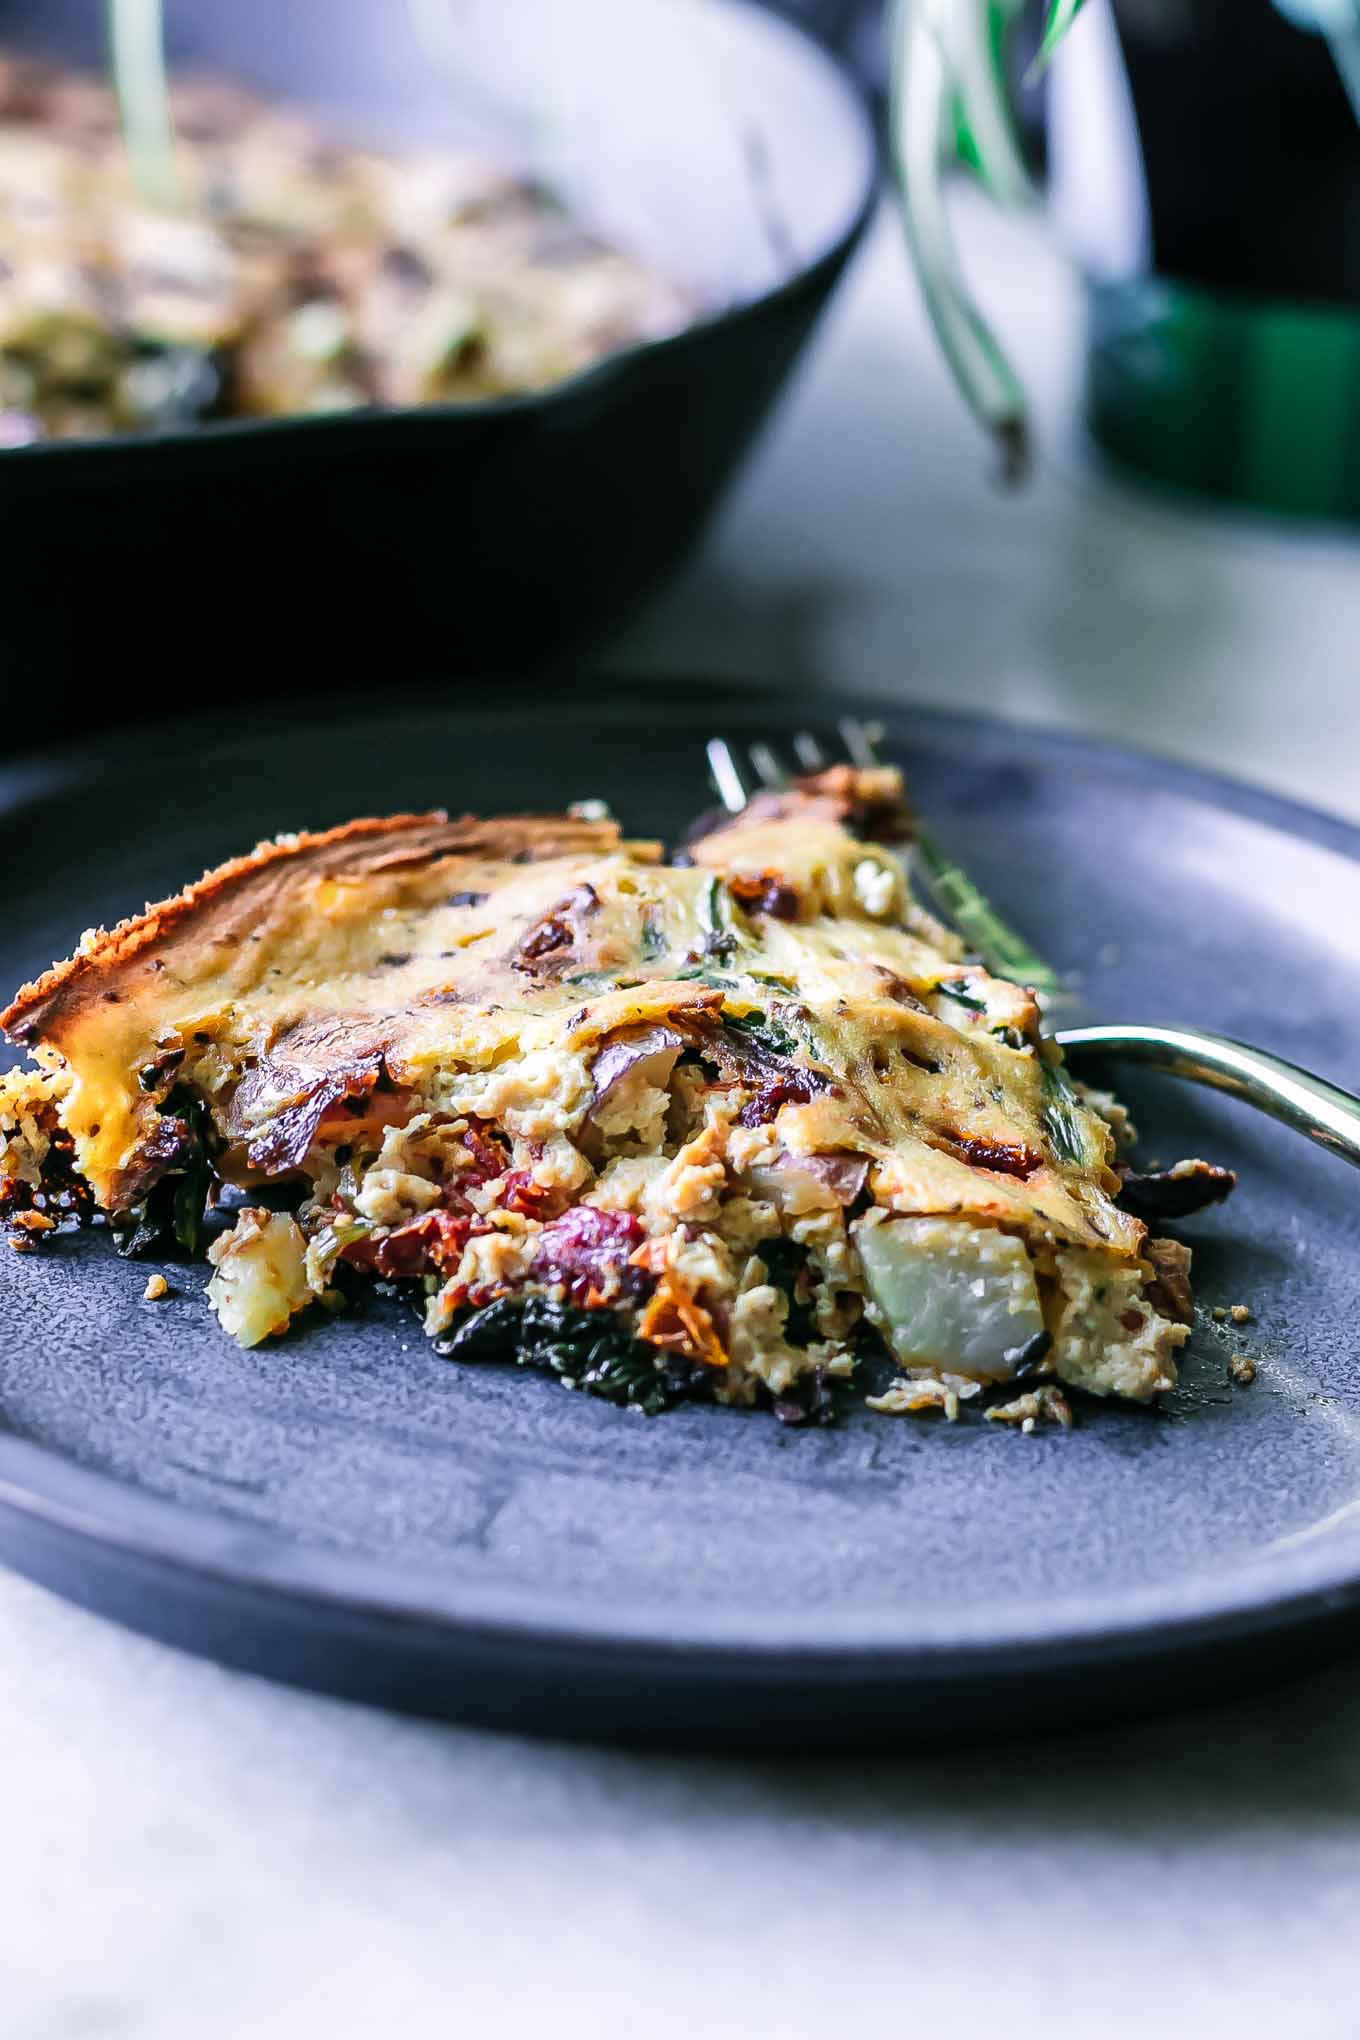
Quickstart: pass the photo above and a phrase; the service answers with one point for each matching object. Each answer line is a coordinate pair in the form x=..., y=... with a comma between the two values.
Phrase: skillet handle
x=1309, y=1104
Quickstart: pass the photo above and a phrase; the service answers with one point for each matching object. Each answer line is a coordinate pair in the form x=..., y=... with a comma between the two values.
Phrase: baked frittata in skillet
x=709, y=1127
x=300, y=273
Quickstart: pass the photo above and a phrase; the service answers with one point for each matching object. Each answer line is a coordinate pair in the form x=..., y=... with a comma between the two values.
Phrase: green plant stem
x=1061, y=15
x=922, y=87
x=136, y=36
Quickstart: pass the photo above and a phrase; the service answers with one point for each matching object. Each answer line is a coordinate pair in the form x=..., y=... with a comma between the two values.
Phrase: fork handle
x=1309, y=1104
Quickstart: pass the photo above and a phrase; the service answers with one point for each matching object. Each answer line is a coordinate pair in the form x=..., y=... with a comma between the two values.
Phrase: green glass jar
x=1247, y=398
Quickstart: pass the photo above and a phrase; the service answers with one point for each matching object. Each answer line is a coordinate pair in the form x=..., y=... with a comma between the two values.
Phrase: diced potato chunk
x=261, y=1277
x=953, y=1296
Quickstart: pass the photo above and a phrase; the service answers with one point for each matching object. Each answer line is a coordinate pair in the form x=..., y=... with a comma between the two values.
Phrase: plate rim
x=1265, y=1592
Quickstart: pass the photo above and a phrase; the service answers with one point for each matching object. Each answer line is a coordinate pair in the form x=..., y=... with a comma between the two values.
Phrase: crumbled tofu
x=389, y=1196
x=915, y=1395
x=497, y=1259
x=757, y=1343
x=623, y=1183
x=156, y=1288
x=875, y=888
x=1240, y=1314
x=1242, y=1368
x=25, y=1098
x=1040, y=1406
x=1109, y=1340
x=538, y=1095
x=634, y=1110
x=691, y=1186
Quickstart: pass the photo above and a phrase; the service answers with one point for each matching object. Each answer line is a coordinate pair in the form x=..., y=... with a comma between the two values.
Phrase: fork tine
x=725, y=773
x=949, y=886
x=861, y=740
x=767, y=767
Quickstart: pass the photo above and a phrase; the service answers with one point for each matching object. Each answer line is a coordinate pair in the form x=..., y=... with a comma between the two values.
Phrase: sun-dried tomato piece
x=765, y=892
x=1004, y=1158
x=796, y=1087
x=488, y=1158
x=555, y=937
x=430, y=1245
x=588, y=1250
x=531, y=1199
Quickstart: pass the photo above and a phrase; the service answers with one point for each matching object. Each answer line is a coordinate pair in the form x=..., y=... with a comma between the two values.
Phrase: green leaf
x=922, y=92
x=174, y=1207
x=758, y=1027
x=1061, y=1121
x=592, y=1349
x=696, y=973
x=715, y=918
x=956, y=989
x=191, y=1191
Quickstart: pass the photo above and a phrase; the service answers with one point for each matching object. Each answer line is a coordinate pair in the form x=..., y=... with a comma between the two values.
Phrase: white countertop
x=189, y=1854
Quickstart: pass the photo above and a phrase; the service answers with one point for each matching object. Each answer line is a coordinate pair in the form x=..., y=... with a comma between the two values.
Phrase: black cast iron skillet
x=247, y=559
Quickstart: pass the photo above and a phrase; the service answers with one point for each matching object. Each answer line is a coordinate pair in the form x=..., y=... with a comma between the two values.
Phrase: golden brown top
x=384, y=955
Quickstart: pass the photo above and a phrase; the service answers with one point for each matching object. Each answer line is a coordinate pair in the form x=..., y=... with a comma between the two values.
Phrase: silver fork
x=1308, y=1104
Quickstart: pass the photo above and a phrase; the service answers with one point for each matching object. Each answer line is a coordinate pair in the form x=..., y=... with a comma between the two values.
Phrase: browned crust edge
x=419, y=838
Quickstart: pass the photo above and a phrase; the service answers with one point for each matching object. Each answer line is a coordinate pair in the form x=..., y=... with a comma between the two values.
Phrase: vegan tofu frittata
x=715, y=1126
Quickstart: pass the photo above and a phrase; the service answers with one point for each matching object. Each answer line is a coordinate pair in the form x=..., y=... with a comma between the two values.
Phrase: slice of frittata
x=710, y=1126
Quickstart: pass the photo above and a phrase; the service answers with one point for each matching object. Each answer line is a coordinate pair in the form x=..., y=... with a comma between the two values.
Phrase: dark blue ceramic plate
x=348, y=1511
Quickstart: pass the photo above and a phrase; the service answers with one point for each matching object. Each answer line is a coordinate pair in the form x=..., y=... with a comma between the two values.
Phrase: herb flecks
x=716, y=922
x=1062, y=1122
x=959, y=991
x=758, y=1027
x=696, y=973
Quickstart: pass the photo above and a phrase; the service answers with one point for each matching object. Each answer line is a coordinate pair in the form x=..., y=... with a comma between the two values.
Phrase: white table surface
x=189, y=1854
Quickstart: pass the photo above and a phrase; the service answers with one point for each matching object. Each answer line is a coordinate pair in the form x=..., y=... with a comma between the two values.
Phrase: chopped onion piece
x=952, y=1295
x=800, y=1181
x=649, y=1050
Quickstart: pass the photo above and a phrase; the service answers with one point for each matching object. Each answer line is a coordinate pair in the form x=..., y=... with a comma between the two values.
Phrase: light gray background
x=188, y=1854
